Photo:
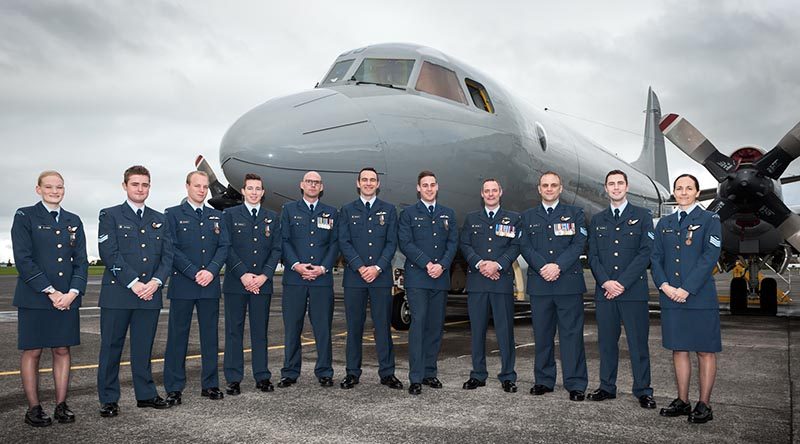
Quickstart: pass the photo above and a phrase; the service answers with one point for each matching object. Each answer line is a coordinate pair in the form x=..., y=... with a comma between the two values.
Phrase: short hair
x=369, y=169
x=491, y=179
x=549, y=172
x=252, y=176
x=696, y=183
x=136, y=170
x=620, y=172
x=47, y=173
x=192, y=173
x=423, y=174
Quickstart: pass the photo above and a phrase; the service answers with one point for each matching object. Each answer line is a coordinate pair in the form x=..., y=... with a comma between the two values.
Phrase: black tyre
x=401, y=313
x=738, y=296
x=769, y=296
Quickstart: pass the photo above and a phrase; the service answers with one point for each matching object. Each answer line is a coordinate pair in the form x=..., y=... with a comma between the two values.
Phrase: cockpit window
x=385, y=71
x=479, y=95
x=336, y=76
x=440, y=81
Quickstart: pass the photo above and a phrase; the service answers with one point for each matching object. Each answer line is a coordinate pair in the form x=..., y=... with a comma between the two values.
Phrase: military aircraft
x=402, y=108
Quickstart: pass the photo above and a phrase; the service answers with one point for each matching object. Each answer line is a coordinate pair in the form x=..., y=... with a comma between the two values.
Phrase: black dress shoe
x=415, y=389
x=701, y=413
x=576, y=395
x=540, y=389
x=233, y=389
x=286, y=382
x=676, y=408
x=212, y=393
x=265, y=385
x=63, y=414
x=509, y=387
x=348, y=382
x=109, y=410
x=392, y=382
x=600, y=395
x=432, y=382
x=174, y=398
x=36, y=417
x=325, y=381
x=155, y=403
x=647, y=402
x=473, y=383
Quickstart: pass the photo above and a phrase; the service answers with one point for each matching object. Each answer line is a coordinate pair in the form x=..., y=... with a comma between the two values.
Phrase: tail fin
x=653, y=159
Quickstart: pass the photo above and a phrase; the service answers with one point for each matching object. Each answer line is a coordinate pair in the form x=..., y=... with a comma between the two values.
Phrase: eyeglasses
x=313, y=182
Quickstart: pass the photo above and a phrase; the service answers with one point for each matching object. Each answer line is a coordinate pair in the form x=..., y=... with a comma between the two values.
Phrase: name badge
x=565, y=229
x=504, y=230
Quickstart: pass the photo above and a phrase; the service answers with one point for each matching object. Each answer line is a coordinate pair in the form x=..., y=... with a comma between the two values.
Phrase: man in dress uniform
x=136, y=249
x=254, y=254
x=201, y=242
x=620, y=241
x=428, y=237
x=368, y=240
x=310, y=249
x=552, y=241
x=489, y=244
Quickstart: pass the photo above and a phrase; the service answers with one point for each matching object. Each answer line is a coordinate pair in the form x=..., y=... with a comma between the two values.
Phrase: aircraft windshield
x=336, y=76
x=386, y=71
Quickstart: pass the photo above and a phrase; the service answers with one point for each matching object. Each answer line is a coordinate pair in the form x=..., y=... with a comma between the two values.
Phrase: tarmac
x=753, y=399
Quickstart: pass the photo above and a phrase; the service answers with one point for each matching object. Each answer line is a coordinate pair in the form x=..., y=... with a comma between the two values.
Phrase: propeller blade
x=790, y=230
x=774, y=163
x=686, y=137
x=773, y=210
x=723, y=207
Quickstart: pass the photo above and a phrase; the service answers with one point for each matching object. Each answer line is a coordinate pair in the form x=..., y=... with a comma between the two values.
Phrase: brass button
x=616, y=254
x=677, y=260
x=144, y=274
x=202, y=237
x=369, y=231
x=312, y=232
x=255, y=239
x=255, y=251
x=60, y=259
x=617, y=228
x=311, y=244
x=202, y=251
x=370, y=258
x=144, y=259
x=312, y=257
x=144, y=245
x=616, y=241
x=551, y=251
x=142, y=232
x=677, y=274
x=201, y=224
x=369, y=244
x=434, y=234
x=58, y=246
x=490, y=239
x=489, y=250
x=61, y=273
x=616, y=267
x=58, y=231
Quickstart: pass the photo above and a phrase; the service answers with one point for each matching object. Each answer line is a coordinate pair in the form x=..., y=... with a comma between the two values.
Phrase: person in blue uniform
x=428, y=237
x=552, y=241
x=489, y=244
x=368, y=240
x=254, y=253
x=685, y=251
x=49, y=248
x=620, y=243
x=136, y=249
x=310, y=249
x=200, y=240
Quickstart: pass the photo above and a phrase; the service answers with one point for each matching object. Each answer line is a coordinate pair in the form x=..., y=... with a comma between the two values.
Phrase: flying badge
x=381, y=217
x=505, y=220
x=73, y=235
x=213, y=217
x=505, y=230
x=633, y=221
x=566, y=218
x=324, y=222
x=157, y=225
x=564, y=229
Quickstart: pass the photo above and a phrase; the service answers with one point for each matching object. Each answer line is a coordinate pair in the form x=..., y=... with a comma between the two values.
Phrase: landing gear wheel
x=738, y=295
x=401, y=312
x=769, y=297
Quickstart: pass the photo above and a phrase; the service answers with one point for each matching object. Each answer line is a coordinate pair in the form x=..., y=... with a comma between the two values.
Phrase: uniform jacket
x=255, y=247
x=688, y=266
x=620, y=250
x=48, y=253
x=540, y=244
x=200, y=243
x=368, y=238
x=493, y=239
x=424, y=238
x=309, y=238
x=131, y=248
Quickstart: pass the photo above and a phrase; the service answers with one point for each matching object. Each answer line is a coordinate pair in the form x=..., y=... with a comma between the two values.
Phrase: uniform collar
x=688, y=210
x=250, y=208
x=135, y=207
x=621, y=207
x=554, y=206
x=308, y=204
x=371, y=201
x=426, y=204
x=194, y=207
x=486, y=210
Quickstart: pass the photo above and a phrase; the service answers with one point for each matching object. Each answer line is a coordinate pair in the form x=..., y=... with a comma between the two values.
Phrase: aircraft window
x=440, y=81
x=337, y=72
x=479, y=95
x=384, y=71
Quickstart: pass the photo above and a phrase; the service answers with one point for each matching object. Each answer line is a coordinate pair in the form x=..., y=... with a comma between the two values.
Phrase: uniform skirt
x=691, y=330
x=44, y=328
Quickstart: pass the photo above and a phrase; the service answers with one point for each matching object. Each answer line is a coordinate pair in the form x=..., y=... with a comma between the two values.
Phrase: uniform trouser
x=636, y=318
x=425, y=335
x=114, y=324
x=380, y=303
x=319, y=301
x=180, y=322
x=566, y=313
x=236, y=308
x=503, y=314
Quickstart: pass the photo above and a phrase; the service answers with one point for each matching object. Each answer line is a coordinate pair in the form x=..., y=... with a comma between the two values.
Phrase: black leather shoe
x=348, y=382
x=233, y=389
x=701, y=413
x=473, y=383
x=647, y=402
x=212, y=393
x=325, y=381
x=392, y=382
x=155, y=403
x=36, y=417
x=415, y=389
x=174, y=398
x=432, y=382
x=63, y=414
x=286, y=382
x=600, y=395
x=265, y=385
x=509, y=387
x=540, y=389
x=576, y=395
x=676, y=408
x=109, y=410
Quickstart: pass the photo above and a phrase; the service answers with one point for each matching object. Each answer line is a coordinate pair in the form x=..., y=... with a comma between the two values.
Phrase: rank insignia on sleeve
x=583, y=231
x=20, y=213
x=102, y=238
x=714, y=240
x=651, y=235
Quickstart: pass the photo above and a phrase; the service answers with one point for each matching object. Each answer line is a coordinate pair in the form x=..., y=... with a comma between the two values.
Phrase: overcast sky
x=92, y=87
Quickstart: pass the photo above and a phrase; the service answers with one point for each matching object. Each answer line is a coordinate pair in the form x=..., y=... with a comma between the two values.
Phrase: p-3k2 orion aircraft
x=403, y=108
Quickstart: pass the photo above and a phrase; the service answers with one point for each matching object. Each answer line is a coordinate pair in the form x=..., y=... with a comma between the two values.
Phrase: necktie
x=139, y=213
x=311, y=207
x=491, y=215
x=55, y=215
x=199, y=212
x=616, y=213
x=681, y=216
x=550, y=211
x=255, y=213
x=367, y=205
x=430, y=209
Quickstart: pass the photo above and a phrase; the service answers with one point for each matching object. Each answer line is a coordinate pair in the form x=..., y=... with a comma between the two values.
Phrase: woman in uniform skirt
x=685, y=250
x=50, y=254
